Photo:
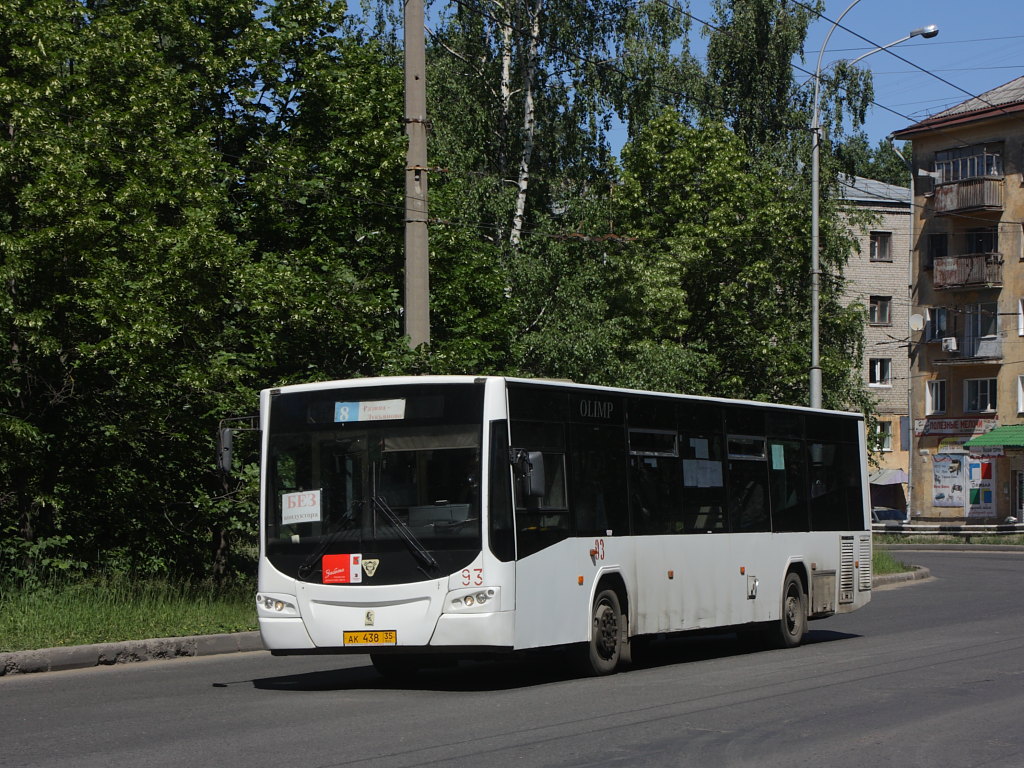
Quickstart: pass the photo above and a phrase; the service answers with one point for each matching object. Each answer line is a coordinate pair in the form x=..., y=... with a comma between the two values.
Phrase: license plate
x=378, y=637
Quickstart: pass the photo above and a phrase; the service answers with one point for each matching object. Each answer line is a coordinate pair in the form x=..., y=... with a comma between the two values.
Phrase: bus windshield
x=376, y=474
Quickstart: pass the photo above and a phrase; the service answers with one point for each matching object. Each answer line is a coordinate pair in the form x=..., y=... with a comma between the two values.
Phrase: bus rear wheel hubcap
x=607, y=631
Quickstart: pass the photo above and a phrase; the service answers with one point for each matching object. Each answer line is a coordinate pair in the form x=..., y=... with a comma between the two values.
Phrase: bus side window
x=835, y=490
x=598, y=482
x=703, y=483
x=655, y=493
x=543, y=520
x=502, y=532
x=747, y=481
x=787, y=480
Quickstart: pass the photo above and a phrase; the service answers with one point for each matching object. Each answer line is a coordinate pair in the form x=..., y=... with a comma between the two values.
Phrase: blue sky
x=980, y=45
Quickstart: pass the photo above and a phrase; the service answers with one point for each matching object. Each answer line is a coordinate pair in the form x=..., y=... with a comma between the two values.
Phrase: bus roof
x=384, y=381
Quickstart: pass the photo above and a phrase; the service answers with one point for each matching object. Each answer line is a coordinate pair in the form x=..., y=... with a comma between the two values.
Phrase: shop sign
x=924, y=427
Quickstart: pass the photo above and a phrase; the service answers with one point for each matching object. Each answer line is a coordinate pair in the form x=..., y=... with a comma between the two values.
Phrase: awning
x=1008, y=436
x=888, y=477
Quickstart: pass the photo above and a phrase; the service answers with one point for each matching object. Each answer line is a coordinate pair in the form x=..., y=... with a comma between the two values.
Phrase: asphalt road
x=930, y=674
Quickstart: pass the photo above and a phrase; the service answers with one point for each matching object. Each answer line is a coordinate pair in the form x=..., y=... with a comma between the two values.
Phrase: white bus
x=414, y=516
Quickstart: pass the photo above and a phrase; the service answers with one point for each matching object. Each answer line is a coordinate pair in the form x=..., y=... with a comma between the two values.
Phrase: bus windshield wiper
x=404, y=531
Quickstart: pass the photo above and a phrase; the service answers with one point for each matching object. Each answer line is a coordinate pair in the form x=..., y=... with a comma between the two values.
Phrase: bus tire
x=792, y=623
x=601, y=655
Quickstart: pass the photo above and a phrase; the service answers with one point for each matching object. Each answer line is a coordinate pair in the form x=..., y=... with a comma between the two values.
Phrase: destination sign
x=372, y=410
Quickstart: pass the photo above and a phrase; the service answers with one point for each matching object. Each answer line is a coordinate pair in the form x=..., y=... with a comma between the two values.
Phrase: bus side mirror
x=225, y=445
x=529, y=471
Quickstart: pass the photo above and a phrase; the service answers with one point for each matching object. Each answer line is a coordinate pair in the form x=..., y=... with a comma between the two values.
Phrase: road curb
x=917, y=574
x=130, y=651
x=126, y=652
x=926, y=547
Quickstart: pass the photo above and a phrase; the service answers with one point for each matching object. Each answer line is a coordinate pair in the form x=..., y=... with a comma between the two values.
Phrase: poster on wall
x=981, y=487
x=948, y=484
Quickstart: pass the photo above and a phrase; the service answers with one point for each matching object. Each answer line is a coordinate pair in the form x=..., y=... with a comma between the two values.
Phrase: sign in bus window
x=300, y=507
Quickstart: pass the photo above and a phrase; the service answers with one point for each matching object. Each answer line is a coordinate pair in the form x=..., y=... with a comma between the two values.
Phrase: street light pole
x=815, y=372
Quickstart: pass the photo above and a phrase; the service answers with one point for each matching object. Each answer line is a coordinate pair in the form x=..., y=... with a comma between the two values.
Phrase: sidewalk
x=103, y=654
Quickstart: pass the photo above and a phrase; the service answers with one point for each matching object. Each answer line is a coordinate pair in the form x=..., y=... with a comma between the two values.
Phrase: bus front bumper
x=480, y=630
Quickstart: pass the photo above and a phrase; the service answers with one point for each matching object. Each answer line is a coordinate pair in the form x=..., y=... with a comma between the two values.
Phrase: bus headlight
x=275, y=605
x=478, y=600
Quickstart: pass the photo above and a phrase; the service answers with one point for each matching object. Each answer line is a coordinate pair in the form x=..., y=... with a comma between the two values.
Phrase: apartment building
x=967, y=315
x=878, y=277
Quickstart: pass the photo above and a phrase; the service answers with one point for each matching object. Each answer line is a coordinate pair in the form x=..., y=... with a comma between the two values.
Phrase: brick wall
x=866, y=278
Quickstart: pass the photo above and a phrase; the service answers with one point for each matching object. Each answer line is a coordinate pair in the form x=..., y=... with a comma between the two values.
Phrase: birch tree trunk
x=529, y=125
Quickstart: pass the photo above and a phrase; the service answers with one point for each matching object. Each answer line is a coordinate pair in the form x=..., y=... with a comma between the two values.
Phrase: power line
x=897, y=55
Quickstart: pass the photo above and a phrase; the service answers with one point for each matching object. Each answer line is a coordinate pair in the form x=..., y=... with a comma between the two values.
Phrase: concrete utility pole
x=417, y=254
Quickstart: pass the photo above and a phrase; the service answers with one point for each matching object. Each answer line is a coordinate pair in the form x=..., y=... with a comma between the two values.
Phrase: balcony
x=978, y=194
x=969, y=350
x=971, y=270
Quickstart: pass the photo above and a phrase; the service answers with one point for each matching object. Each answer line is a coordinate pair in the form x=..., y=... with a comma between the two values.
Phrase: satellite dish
x=916, y=323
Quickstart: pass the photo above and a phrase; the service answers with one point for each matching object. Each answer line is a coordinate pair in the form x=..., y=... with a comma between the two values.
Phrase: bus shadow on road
x=468, y=676
x=690, y=648
x=527, y=670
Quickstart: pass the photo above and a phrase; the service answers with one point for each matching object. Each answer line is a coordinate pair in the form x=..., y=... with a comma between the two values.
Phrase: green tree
x=856, y=157
x=521, y=96
x=716, y=284
x=199, y=201
x=749, y=82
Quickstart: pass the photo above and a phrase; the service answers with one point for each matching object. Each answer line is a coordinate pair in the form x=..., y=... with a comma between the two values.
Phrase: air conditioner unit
x=949, y=344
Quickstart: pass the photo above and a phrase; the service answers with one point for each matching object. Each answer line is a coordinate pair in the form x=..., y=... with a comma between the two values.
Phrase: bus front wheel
x=602, y=653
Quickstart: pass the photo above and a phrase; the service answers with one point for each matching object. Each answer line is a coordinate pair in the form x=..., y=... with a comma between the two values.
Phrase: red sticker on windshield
x=342, y=569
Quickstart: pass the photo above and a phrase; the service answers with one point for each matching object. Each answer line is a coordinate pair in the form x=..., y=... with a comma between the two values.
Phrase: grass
x=115, y=608
x=118, y=607
x=883, y=562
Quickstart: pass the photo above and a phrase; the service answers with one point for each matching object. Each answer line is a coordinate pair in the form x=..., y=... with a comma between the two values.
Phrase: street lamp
x=815, y=374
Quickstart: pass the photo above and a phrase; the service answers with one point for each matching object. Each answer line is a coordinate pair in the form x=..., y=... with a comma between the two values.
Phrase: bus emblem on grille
x=370, y=567
x=370, y=616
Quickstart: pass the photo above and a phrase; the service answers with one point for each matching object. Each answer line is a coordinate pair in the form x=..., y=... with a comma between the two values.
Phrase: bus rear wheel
x=792, y=625
x=601, y=654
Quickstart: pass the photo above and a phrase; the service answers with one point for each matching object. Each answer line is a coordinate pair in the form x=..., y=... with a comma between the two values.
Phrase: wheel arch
x=800, y=569
x=613, y=579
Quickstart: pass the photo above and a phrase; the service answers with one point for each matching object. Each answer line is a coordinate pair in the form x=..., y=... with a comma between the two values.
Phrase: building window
x=880, y=310
x=979, y=395
x=982, y=240
x=881, y=246
x=938, y=324
x=969, y=162
x=981, y=325
x=883, y=434
x=880, y=372
x=1020, y=394
x=935, y=397
x=937, y=248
